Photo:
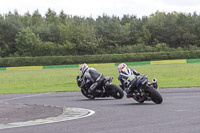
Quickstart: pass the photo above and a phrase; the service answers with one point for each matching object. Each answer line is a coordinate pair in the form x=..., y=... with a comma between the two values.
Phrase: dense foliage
x=62, y=34
x=105, y=58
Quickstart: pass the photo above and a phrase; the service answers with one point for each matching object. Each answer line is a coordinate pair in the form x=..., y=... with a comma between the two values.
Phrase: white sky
x=96, y=8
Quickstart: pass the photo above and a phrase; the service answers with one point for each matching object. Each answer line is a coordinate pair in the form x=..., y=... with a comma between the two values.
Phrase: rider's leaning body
x=91, y=78
x=126, y=76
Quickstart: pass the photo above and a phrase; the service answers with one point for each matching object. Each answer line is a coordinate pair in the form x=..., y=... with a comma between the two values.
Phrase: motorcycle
x=145, y=90
x=105, y=90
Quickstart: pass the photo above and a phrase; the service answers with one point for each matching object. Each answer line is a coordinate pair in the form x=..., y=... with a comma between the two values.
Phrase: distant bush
x=104, y=58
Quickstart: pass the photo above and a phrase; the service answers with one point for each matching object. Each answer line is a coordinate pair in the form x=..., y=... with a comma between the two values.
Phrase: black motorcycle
x=144, y=90
x=105, y=90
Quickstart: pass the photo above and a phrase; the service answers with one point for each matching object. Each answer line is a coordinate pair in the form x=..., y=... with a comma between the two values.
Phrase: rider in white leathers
x=126, y=76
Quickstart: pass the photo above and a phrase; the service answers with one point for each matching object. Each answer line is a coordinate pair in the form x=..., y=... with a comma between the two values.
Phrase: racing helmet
x=83, y=67
x=121, y=66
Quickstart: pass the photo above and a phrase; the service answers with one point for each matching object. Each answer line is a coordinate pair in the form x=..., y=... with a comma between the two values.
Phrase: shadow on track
x=94, y=99
x=131, y=104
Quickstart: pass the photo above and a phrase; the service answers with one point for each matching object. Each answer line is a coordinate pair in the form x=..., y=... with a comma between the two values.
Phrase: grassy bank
x=63, y=79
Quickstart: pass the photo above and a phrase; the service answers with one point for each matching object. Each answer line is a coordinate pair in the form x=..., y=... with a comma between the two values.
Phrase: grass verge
x=64, y=79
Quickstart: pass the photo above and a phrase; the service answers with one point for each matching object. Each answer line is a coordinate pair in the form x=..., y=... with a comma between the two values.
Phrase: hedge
x=105, y=58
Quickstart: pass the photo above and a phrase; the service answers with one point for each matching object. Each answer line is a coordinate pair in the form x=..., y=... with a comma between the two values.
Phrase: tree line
x=61, y=34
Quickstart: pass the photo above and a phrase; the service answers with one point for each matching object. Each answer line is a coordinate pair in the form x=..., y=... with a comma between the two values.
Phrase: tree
x=50, y=28
x=87, y=42
x=186, y=30
x=26, y=20
x=10, y=25
x=4, y=49
x=62, y=17
x=143, y=36
x=27, y=43
x=111, y=31
x=134, y=29
x=62, y=34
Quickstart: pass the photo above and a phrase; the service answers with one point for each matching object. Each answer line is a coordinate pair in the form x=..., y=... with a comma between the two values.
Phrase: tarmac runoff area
x=179, y=113
x=19, y=115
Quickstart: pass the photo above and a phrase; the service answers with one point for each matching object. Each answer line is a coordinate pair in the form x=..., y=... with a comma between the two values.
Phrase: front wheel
x=86, y=94
x=115, y=91
x=154, y=94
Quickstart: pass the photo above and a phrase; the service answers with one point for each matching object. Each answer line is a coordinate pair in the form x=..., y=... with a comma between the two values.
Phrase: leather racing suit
x=92, y=79
x=127, y=80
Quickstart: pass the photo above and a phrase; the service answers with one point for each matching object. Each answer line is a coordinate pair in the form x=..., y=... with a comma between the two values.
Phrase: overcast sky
x=94, y=8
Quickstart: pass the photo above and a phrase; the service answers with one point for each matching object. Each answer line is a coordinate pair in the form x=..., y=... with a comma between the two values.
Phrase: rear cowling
x=108, y=80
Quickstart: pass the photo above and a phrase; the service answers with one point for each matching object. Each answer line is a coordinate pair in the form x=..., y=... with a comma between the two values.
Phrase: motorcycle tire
x=115, y=91
x=154, y=94
x=86, y=94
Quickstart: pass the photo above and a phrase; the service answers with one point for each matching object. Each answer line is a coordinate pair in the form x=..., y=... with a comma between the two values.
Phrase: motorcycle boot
x=92, y=87
x=131, y=89
x=95, y=85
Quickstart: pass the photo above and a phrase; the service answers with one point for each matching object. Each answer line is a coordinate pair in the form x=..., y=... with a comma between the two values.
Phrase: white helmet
x=83, y=67
x=121, y=66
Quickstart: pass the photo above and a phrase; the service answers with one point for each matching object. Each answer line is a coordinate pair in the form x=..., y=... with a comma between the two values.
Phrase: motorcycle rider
x=127, y=76
x=91, y=78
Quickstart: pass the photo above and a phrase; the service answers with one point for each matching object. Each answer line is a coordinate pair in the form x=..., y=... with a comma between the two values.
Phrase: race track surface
x=179, y=113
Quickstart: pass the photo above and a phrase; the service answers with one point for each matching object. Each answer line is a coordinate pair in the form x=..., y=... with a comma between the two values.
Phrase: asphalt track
x=179, y=113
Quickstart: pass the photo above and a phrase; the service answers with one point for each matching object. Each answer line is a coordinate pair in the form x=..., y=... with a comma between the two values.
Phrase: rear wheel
x=154, y=94
x=115, y=91
x=86, y=94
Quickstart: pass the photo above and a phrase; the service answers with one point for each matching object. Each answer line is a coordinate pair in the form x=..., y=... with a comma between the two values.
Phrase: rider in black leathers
x=91, y=78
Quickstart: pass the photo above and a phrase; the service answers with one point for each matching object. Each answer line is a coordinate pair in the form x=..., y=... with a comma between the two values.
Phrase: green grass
x=63, y=79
